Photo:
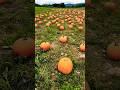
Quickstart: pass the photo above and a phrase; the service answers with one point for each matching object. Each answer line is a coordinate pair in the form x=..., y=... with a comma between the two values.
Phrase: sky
x=58, y=1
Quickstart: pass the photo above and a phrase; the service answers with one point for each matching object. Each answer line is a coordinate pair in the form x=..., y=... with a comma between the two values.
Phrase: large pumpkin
x=113, y=51
x=65, y=65
x=24, y=47
x=45, y=46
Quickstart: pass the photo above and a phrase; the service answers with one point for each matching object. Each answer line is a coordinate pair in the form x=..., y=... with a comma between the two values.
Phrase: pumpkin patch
x=60, y=57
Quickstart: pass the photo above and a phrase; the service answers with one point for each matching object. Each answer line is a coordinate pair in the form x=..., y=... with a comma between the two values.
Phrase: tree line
x=62, y=5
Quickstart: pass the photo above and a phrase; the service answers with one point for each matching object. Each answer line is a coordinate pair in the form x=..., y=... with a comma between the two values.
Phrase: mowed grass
x=46, y=62
x=41, y=9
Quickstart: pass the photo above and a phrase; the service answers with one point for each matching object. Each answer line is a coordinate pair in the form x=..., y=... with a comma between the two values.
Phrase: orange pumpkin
x=70, y=26
x=23, y=47
x=63, y=39
x=45, y=20
x=36, y=26
x=58, y=25
x=47, y=24
x=113, y=51
x=65, y=65
x=40, y=22
x=82, y=47
x=61, y=27
x=45, y=46
x=80, y=28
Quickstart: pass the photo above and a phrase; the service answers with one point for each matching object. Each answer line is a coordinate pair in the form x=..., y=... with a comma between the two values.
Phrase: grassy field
x=16, y=21
x=102, y=28
x=46, y=61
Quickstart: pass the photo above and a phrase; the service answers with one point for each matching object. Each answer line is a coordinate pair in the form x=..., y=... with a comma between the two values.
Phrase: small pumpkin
x=47, y=24
x=61, y=28
x=58, y=25
x=82, y=47
x=113, y=51
x=70, y=26
x=63, y=39
x=65, y=65
x=80, y=28
x=36, y=25
x=23, y=47
x=39, y=22
x=45, y=46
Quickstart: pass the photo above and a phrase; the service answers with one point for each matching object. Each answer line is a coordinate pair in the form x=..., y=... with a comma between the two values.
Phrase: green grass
x=47, y=61
x=41, y=9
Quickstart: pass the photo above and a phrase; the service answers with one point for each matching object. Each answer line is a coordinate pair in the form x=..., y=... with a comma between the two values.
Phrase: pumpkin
x=70, y=26
x=65, y=65
x=40, y=22
x=23, y=47
x=47, y=24
x=113, y=51
x=63, y=39
x=82, y=47
x=45, y=46
x=61, y=28
x=36, y=26
x=45, y=20
x=69, y=22
x=58, y=25
x=110, y=6
x=80, y=28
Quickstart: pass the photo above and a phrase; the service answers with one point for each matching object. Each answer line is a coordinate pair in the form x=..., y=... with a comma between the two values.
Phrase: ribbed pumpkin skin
x=113, y=51
x=45, y=46
x=23, y=47
x=65, y=65
x=82, y=47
